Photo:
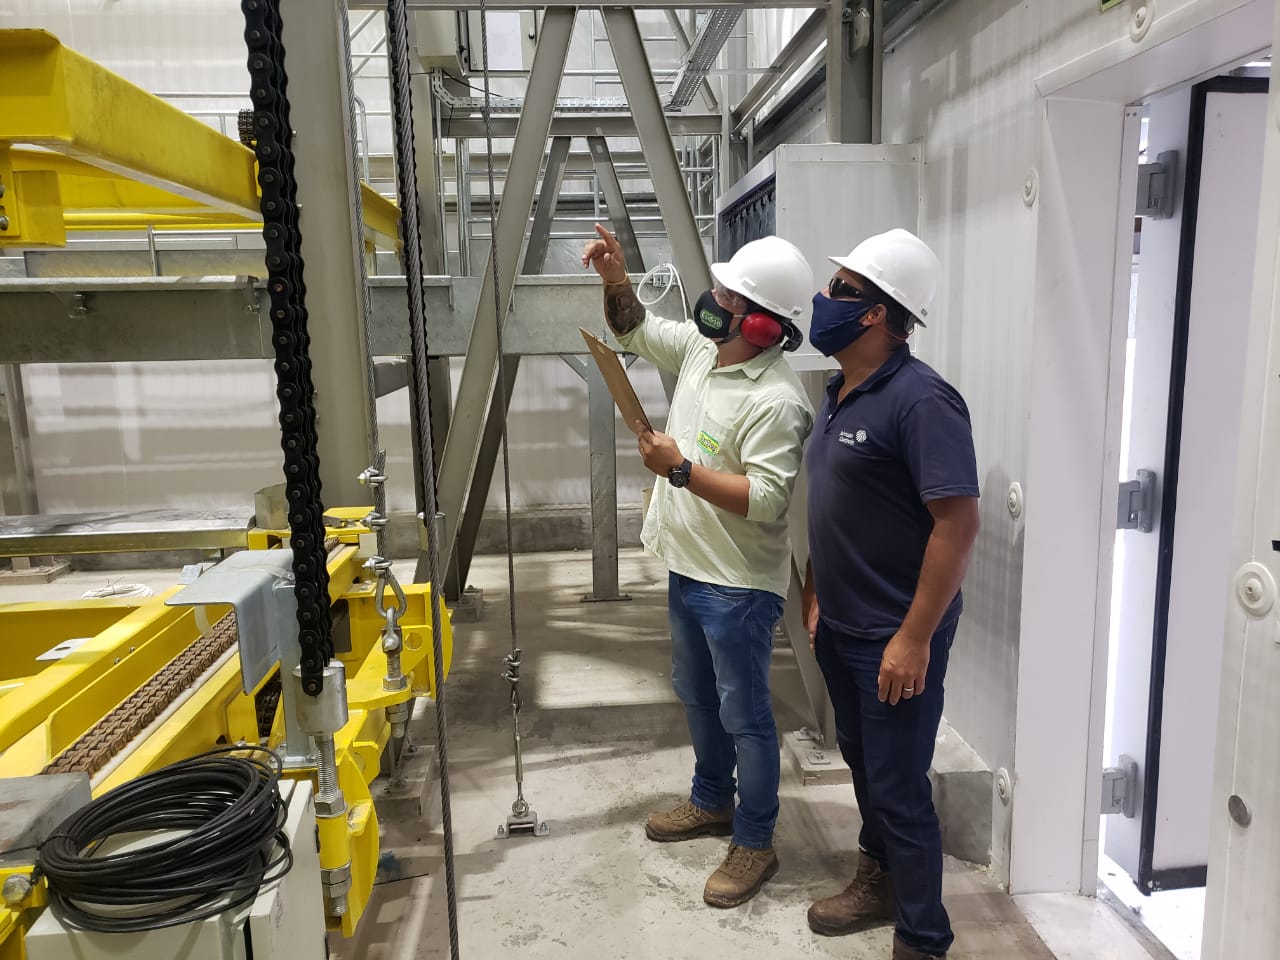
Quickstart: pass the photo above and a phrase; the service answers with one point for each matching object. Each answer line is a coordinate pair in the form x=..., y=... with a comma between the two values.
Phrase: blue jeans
x=890, y=749
x=721, y=644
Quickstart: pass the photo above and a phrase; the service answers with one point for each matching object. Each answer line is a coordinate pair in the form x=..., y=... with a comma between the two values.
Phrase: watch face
x=679, y=476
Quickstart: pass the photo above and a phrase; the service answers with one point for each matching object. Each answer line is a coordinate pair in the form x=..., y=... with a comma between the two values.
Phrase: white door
x=1194, y=288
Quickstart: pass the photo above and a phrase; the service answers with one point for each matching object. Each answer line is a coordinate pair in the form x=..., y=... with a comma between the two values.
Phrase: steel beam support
x=480, y=374
x=855, y=57
x=15, y=403
x=789, y=59
x=655, y=139
x=535, y=258
x=429, y=186
x=318, y=70
x=585, y=125
x=535, y=255
x=705, y=89
x=607, y=175
x=604, y=482
x=413, y=5
x=142, y=163
x=110, y=319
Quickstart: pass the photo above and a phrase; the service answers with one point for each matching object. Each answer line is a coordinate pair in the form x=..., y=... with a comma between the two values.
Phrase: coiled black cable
x=222, y=820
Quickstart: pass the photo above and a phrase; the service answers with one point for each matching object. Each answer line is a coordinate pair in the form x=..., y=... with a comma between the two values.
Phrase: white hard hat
x=900, y=264
x=771, y=272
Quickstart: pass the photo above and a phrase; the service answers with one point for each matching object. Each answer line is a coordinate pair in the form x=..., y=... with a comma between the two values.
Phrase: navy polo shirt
x=897, y=441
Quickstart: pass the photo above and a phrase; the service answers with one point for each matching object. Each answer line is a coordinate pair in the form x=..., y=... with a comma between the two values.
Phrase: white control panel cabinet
x=825, y=198
x=285, y=922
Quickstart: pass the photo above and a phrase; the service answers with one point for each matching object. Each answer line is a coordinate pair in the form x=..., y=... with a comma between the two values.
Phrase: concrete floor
x=605, y=744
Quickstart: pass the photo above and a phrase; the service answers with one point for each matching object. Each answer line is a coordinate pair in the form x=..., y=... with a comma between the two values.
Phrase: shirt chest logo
x=708, y=444
x=853, y=438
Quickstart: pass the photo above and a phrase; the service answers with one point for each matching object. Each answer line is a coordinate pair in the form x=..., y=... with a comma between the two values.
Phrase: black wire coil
x=230, y=816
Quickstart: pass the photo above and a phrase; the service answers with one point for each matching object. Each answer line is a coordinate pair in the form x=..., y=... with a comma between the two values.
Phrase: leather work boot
x=688, y=821
x=865, y=903
x=740, y=877
x=902, y=952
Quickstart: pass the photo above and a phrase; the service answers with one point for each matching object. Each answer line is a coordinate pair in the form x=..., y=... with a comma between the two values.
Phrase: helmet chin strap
x=734, y=333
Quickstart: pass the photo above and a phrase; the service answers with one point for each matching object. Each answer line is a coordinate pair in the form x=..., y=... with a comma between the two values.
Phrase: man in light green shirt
x=736, y=431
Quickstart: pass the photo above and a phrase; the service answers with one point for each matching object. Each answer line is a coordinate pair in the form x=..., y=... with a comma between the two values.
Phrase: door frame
x=1073, y=447
x=1176, y=878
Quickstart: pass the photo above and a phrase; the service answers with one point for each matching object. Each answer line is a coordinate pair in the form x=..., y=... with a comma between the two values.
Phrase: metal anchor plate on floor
x=529, y=823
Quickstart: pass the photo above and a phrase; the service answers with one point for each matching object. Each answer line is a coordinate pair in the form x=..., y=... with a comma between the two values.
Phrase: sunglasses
x=841, y=289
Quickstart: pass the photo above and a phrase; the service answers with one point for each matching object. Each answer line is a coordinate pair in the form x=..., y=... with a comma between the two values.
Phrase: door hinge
x=1120, y=789
x=1137, y=507
x=1156, y=182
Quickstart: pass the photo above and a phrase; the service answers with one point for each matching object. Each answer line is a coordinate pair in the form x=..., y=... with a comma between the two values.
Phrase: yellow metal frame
x=117, y=158
x=46, y=712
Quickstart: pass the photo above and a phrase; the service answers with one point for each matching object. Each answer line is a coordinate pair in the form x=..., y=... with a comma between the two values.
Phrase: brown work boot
x=740, y=877
x=688, y=821
x=866, y=902
x=902, y=952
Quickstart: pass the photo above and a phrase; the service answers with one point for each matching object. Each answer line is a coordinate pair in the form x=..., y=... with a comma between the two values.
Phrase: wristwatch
x=680, y=476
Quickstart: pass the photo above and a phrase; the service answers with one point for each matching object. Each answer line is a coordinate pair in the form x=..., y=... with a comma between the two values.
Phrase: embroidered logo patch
x=853, y=439
x=708, y=443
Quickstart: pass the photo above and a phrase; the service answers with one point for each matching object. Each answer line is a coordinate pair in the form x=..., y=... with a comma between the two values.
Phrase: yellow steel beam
x=91, y=198
x=53, y=97
x=30, y=708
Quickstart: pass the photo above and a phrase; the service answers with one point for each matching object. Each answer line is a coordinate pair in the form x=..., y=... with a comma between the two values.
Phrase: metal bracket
x=259, y=585
x=529, y=823
x=1156, y=184
x=1137, y=507
x=817, y=753
x=1120, y=789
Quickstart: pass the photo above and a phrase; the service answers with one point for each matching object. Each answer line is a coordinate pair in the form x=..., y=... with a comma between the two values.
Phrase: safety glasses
x=840, y=289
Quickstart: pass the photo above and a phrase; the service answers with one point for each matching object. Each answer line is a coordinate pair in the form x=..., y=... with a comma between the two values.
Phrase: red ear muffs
x=761, y=330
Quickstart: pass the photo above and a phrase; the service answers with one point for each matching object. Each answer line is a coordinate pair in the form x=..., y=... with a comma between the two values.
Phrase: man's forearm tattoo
x=622, y=308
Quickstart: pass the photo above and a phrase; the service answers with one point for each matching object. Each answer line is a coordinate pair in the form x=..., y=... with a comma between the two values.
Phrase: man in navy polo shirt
x=893, y=515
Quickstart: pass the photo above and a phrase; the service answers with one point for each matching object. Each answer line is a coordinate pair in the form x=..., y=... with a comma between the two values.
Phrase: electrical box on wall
x=437, y=40
x=825, y=198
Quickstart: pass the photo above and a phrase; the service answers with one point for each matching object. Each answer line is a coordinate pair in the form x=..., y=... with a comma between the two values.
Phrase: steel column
x=429, y=185
x=655, y=140
x=15, y=403
x=480, y=374
x=535, y=259
x=854, y=64
x=604, y=482
x=318, y=79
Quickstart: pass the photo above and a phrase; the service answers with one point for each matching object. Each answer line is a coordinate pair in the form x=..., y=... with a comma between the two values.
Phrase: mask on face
x=712, y=320
x=837, y=323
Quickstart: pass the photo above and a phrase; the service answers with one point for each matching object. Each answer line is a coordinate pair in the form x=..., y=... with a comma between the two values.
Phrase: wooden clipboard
x=615, y=377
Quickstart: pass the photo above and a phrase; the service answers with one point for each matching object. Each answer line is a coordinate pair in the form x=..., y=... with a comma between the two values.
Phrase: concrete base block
x=469, y=607
x=42, y=573
x=962, y=787
x=34, y=807
x=413, y=795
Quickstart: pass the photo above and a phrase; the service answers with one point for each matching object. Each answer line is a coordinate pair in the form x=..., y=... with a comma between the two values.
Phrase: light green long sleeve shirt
x=748, y=419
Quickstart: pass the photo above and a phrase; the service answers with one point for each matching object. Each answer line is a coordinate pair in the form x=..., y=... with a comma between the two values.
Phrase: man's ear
x=878, y=314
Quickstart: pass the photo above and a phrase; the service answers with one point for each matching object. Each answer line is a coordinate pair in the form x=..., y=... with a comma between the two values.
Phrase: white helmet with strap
x=900, y=264
x=772, y=273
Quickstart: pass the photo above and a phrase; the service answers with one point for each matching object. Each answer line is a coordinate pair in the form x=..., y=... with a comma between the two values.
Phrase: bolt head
x=4, y=222
x=16, y=889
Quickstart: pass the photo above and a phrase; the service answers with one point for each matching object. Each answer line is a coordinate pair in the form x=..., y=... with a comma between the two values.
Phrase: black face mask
x=712, y=320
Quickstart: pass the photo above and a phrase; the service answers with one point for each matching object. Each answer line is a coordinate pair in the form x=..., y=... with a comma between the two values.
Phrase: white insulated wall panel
x=964, y=84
